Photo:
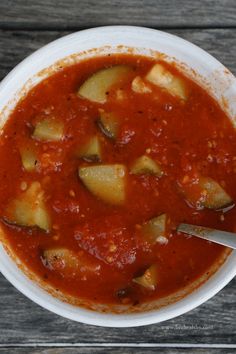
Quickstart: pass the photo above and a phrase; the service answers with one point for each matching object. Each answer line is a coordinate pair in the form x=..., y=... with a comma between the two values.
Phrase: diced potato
x=91, y=152
x=49, y=129
x=139, y=86
x=66, y=261
x=29, y=159
x=59, y=258
x=120, y=95
x=95, y=88
x=162, y=240
x=29, y=209
x=160, y=76
x=149, y=279
x=107, y=182
x=108, y=124
x=213, y=195
x=146, y=165
x=154, y=230
x=205, y=192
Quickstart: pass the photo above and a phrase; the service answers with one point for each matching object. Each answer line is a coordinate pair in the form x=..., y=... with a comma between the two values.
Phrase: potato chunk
x=149, y=278
x=69, y=263
x=146, y=165
x=95, y=88
x=58, y=258
x=91, y=151
x=49, y=129
x=139, y=85
x=214, y=196
x=108, y=123
x=29, y=209
x=154, y=230
x=160, y=76
x=206, y=192
x=29, y=159
x=120, y=95
x=107, y=182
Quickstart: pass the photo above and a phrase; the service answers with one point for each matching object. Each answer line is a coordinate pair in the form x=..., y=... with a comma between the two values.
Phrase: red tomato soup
x=99, y=163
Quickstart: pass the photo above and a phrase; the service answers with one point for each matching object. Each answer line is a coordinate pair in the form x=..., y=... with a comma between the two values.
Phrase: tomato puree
x=108, y=234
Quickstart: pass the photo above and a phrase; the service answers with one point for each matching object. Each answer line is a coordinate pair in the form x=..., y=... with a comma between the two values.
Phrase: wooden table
x=27, y=25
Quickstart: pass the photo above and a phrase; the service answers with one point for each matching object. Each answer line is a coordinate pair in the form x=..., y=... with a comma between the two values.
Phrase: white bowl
x=199, y=65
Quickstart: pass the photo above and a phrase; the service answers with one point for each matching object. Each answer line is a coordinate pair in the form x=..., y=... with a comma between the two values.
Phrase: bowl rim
x=31, y=290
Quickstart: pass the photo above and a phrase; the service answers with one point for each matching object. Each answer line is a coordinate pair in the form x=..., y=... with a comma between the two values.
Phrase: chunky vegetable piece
x=163, y=78
x=154, y=230
x=97, y=86
x=68, y=262
x=149, y=278
x=49, y=129
x=91, y=151
x=214, y=196
x=206, y=192
x=121, y=95
x=29, y=209
x=29, y=159
x=139, y=85
x=60, y=258
x=107, y=182
x=146, y=165
x=109, y=124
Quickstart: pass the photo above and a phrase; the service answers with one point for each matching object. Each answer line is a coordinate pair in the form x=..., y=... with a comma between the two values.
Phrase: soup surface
x=100, y=162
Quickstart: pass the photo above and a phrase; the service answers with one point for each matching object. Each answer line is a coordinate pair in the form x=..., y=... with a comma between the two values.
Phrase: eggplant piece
x=69, y=263
x=146, y=165
x=49, y=129
x=160, y=76
x=206, y=192
x=108, y=123
x=29, y=209
x=154, y=230
x=28, y=159
x=149, y=278
x=59, y=258
x=96, y=87
x=91, y=151
x=107, y=182
x=139, y=85
x=213, y=196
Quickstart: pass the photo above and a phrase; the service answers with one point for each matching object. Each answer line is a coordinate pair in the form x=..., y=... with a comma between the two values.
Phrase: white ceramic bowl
x=210, y=73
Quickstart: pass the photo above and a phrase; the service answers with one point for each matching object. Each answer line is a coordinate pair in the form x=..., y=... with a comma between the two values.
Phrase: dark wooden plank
x=23, y=322
x=16, y=45
x=59, y=14
x=112, y=350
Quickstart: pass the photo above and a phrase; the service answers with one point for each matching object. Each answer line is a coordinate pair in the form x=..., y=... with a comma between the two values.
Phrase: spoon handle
x=222, y=237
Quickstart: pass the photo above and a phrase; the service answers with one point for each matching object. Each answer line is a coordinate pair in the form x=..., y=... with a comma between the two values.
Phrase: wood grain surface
x=25, y=323
x=112, y=350
x=25, y=327
x=76, y=14
x=16, y=45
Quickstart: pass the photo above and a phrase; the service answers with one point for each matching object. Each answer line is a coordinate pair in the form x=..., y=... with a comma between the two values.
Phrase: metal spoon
x=222, y=237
